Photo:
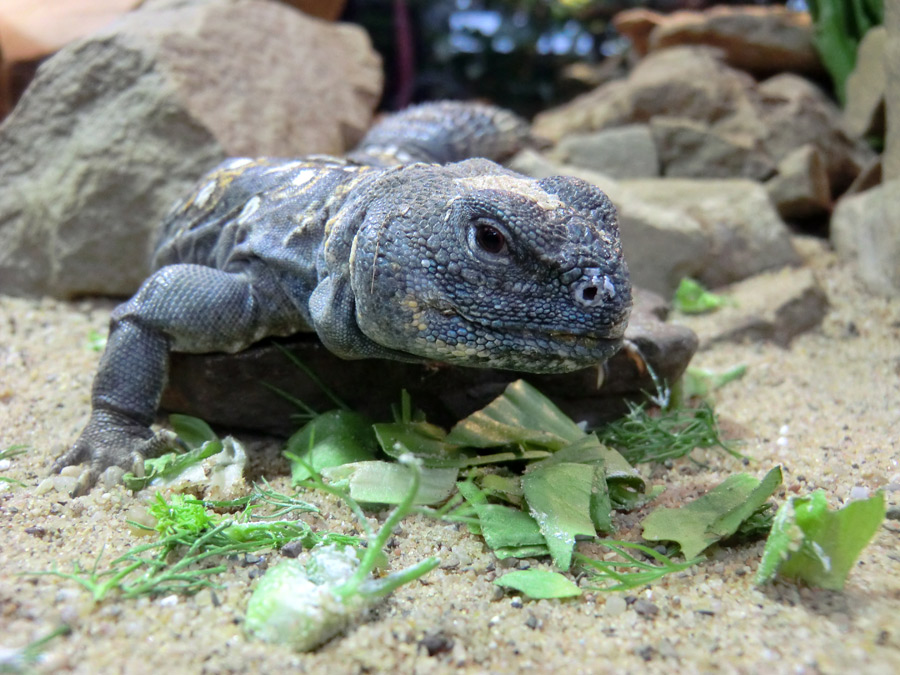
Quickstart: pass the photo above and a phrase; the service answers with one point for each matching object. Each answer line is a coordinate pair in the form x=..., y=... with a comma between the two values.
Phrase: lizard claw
x=109, y=440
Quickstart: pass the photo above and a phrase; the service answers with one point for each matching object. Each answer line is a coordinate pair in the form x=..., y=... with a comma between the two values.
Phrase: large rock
x=773, y=307
x=235, y=390
x=717, y=231
x=795, y=112
x=745, y=234
x=801, y=190
x=865, y=228
x=864, y=110
x=710, y=120
x=621, y=152
x=693, y=149
x=892, y=91
x=760, y=40
x=685, y=81
x=115, y=127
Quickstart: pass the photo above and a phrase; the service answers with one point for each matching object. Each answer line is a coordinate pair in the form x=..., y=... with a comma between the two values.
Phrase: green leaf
x=378, y=482
x=539, y=584
x=691, y=297
x=192, y=430
x=559, y=499
x=700, y=383
x=502, y=526
x=169, y=466
x=521, y=415
x=425, y=441
x=715, y=516
x=331, y=439
x=521, y=551
x=813, y=544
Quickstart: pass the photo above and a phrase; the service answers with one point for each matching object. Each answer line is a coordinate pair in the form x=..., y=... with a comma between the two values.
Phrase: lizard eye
x=489, y=239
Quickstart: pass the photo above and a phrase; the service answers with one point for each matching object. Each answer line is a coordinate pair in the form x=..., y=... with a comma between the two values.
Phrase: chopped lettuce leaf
x=521, y=415
x=501, y=526
x=425, y=441
x=331, y=439
x=811, y=543
x=715, y=516
x=540, y=584
x=559, y=499
x=377, y=482
x=691, y=297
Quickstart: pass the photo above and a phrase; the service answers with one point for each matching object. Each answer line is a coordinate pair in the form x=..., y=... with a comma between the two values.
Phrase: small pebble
x=859, y=492
x=615, y=605
x=646, y=608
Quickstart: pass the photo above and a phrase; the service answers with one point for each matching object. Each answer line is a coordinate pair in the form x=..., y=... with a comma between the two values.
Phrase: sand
x=827, y=409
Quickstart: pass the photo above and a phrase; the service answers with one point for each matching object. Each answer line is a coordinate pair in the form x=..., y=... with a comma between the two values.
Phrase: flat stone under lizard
x=399, y=252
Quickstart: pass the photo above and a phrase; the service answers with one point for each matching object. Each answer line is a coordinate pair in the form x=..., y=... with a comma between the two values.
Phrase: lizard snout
x=593, y=288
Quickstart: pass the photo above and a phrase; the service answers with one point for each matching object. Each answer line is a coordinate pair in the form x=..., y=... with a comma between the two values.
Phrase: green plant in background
x=839, y=27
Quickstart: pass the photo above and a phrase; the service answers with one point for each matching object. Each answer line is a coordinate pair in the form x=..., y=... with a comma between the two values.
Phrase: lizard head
x=476, y=265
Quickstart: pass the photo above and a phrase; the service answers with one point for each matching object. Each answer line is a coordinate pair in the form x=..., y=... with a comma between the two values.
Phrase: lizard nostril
x=592, y=289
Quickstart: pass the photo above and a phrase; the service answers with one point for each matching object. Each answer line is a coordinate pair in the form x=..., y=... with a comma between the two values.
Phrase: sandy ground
x=827, y=409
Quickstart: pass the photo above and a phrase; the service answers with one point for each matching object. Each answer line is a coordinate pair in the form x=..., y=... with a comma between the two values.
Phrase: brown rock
x=775, y=307
x=232, y=390
x=801, y=190
x=864, y=110
x=115, y=127
x=759, y=40
x=636, y=25
x=795, y=112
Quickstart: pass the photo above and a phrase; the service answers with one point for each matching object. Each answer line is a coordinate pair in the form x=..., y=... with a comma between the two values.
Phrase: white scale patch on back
x=204, y=194
x=251, y=207
x=287, y=166
x=526, y=187
x=238, y=163
x=303, y=177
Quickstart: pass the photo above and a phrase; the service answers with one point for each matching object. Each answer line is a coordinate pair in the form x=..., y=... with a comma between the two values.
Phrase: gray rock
x=865, y=229
x=115, y=127
x=774, y=307
x=864, y=109
x=692, y=149
x=717, y=231
x=620, y=152
x=233, y=390
x=745, y=234
x=800, y=189
x=687, y=81
x=662, y=244
x=892, y=91
x=728, y=124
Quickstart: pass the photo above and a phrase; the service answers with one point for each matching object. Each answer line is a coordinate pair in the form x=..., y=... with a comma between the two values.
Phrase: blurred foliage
x=509, y=51
x=839, y=27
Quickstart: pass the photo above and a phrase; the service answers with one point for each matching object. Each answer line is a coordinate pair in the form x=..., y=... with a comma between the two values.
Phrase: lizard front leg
x=187, y=308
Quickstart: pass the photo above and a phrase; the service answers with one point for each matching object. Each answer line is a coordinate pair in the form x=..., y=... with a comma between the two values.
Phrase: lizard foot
x=110, y=439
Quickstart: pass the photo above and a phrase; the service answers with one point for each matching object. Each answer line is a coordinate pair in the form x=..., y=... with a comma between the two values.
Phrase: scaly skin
x=466, y=263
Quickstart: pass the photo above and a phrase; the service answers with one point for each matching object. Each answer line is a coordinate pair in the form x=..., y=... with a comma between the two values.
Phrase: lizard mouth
x=530, y=348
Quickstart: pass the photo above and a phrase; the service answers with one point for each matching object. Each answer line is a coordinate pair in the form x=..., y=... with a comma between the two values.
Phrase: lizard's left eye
x=489, y=239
